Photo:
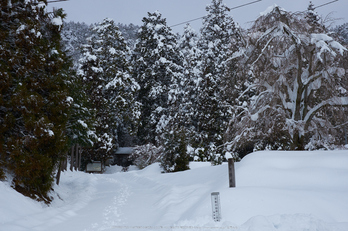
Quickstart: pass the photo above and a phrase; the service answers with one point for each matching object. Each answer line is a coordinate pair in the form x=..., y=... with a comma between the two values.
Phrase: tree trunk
x=76, y=157
x=79, y=163
x=72, y=159
x=65, y=163
x=298, y=142
x=58, y=172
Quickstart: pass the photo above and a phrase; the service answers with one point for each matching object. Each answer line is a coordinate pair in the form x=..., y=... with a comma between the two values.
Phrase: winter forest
x=208, y=95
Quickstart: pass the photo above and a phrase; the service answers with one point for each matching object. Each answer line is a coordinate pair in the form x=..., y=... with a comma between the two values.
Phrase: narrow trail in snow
x=118, y=200
x=127, y=201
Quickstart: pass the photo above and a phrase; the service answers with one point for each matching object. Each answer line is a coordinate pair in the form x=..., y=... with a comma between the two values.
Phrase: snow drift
x=275, y=191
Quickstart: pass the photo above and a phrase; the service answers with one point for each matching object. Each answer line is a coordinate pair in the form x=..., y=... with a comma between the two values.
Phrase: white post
x=215, y=202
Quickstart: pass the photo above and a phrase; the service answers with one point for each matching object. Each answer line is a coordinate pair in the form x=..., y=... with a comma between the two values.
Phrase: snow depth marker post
x=215, y=202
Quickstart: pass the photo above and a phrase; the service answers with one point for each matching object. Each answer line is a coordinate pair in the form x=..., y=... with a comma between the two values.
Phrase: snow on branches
x=296, y=74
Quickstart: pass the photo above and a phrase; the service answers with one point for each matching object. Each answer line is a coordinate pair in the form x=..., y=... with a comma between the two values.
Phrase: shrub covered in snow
x=145, y=155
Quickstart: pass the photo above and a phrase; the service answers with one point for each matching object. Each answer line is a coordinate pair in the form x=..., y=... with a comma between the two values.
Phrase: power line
x=236, y=7
x=326, y=4
x=187, y=21
x=57, y=1
x=246, y=4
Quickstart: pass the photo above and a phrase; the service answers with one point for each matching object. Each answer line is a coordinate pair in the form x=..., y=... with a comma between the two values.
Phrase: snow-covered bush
x=145, y=155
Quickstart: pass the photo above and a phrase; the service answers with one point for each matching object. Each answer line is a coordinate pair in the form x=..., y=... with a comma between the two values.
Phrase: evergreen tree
x=313, y=19
x=176, y=156
x=74, y=35
x=191, y=74
x=212, y=109
x=129, y=32
x=80, y=128
x=34, y=98
x=6, y=81
x=157, y=66
x=106, y=74
x=342, y=33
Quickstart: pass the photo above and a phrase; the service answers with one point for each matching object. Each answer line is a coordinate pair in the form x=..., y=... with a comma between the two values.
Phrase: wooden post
x=72, y=159
x=58, y=173
x=231, y=173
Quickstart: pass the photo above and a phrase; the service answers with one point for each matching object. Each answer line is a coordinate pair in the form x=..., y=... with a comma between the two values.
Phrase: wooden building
x=121, y=156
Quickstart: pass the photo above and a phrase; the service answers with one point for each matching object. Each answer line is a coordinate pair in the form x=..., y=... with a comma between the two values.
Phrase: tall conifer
x=106, y=73
x=157, y=67
x=219, y=36
x=35, y=71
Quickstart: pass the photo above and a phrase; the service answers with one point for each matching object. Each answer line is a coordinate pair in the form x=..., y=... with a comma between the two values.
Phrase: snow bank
x=276, y=190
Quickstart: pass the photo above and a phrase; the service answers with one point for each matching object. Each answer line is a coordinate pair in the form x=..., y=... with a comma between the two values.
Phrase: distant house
x=121, y=156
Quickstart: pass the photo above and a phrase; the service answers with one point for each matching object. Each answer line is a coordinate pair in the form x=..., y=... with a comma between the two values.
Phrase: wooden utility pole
x=231, y=173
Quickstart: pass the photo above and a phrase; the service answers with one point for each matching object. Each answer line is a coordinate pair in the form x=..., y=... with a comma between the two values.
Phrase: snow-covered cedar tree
x=157, y=67
x=129, y=32
x=74, y=35
x=122, y=90
x=313, y=19
x=80, y=127
x=296, y=76
x=175, y=155
x=342, y=33
x=177, y=122
x=106, y=73
x=191, y=57
x=211, y=109
x=34, y=97
x=145, y=155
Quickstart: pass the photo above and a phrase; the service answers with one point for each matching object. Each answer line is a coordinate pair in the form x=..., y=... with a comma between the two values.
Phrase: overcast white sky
x=177, y=11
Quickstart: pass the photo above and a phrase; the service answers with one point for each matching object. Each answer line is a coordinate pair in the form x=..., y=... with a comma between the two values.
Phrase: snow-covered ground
x=292, y=191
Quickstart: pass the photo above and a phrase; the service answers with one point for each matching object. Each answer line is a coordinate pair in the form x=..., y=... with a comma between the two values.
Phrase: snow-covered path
x=280, y=191
x=136, y=199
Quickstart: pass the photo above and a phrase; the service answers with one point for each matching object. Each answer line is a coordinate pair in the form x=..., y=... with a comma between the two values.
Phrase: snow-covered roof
x=124, y=150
